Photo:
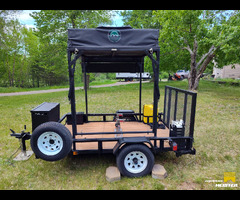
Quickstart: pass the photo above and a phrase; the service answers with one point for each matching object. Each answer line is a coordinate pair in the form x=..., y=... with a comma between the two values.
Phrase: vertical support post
x=175, y=107
x=155, y=96
x=24, y=146
x=85, y=87
x=169, y=106
x=140, y=91
x=185, y=107
x=193, y=112
x=165, y=104
x=156, y=92
x=72, y=96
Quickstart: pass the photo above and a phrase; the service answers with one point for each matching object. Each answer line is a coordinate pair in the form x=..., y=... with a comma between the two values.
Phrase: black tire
x=51, y=141
x=135, y=160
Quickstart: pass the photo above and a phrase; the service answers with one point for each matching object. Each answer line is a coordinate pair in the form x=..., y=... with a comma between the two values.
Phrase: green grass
x=216, y=141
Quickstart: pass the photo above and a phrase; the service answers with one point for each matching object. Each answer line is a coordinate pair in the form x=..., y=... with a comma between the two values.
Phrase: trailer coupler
x=23, y=136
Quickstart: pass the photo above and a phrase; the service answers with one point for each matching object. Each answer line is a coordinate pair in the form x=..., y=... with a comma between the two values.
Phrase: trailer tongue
x=134, y=137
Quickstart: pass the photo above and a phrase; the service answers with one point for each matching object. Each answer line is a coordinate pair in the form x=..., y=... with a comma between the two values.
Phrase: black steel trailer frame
x=178, y=103
x=71, y=68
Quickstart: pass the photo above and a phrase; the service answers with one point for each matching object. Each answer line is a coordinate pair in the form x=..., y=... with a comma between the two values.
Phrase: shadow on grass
x=84, y=161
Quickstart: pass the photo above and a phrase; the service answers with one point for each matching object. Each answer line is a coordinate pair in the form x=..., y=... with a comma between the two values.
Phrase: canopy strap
x=155, y=65
x=71, y=74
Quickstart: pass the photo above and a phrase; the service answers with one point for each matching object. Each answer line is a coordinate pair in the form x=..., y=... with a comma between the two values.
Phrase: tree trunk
x=196, y=71
x=33, y=78
x=192, y=79
x=13, y=70
x=195, y=74
x=38, y=81
x=9, y=73
x=193, y=82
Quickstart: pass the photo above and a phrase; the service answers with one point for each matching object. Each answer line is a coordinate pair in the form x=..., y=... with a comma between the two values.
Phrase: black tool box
x=45, y=112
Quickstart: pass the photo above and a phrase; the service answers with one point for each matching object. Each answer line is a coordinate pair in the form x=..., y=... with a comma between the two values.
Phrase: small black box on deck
x=45, y=112
x=80, y=118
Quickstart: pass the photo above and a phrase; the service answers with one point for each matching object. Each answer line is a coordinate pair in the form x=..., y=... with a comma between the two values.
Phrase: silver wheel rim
x=50, y=143
x=135, y=162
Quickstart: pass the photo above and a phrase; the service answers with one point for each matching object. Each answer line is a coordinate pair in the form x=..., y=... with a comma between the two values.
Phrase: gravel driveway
x=66, y=89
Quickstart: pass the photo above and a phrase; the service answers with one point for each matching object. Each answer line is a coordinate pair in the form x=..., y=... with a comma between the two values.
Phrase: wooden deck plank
x=93, y=127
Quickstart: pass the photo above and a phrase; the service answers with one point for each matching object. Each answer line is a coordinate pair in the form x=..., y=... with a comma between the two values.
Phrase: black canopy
x=113, y=49
x=124, y=39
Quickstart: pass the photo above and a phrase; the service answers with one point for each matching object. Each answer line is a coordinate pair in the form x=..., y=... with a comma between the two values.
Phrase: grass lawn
x=217, y=141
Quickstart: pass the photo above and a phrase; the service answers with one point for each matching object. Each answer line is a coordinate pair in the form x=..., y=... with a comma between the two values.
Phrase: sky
x=25, y=19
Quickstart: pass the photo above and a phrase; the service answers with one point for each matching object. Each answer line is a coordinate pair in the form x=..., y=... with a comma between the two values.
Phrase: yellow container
x=148, y=113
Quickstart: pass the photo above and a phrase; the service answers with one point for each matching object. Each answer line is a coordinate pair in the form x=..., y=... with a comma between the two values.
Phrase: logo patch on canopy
x=114, y=35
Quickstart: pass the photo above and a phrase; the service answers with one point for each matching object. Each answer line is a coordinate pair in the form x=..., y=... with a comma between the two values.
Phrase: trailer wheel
x=135, y=160
x=51, y=141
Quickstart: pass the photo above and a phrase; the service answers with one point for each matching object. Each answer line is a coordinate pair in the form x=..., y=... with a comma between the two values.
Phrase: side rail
x=180, y=108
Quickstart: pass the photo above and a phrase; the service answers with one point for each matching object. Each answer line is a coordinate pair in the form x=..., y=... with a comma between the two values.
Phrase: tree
x=190, y=39
x=52, y=28
x=18, y=51
x=12, y=46
x=140, y=19
x=31, y=52
x=204, y=34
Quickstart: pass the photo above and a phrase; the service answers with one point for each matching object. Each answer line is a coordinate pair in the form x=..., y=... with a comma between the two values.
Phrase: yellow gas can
x=148, y=113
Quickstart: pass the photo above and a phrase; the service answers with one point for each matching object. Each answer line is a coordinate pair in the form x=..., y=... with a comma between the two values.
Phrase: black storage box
x=45, y=112
x=80, y=118
x=128, y=115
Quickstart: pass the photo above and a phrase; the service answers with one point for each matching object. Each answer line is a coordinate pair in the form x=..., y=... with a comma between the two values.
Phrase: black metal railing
x=179, y=105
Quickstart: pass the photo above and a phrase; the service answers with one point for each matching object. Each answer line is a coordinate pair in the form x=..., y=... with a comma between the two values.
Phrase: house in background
x=228, y=71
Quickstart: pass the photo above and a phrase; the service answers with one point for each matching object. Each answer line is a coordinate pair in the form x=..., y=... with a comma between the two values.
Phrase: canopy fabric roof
x=113, y=49
x=108, y=38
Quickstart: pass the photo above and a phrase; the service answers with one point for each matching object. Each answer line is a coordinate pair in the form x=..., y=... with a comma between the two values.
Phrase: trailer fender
x=130, y=140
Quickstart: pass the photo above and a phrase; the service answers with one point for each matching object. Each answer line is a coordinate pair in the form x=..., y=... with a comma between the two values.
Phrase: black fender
x=132, y=140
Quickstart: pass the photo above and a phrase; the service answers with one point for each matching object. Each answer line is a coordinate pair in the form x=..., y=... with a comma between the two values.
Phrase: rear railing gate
x=180, y=106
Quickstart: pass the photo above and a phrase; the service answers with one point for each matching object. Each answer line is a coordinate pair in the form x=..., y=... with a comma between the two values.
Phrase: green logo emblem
x=114, y=35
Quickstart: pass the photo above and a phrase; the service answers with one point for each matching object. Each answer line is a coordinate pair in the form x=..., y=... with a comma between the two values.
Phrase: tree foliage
x=13, y=67
x=190, y=39
x=34, y=57
x=52, y=28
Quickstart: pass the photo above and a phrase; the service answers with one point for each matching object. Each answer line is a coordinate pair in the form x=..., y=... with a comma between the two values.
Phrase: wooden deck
x=92, y=127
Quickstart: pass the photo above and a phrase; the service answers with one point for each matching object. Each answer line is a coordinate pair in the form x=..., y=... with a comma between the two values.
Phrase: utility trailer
x=133, y=137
